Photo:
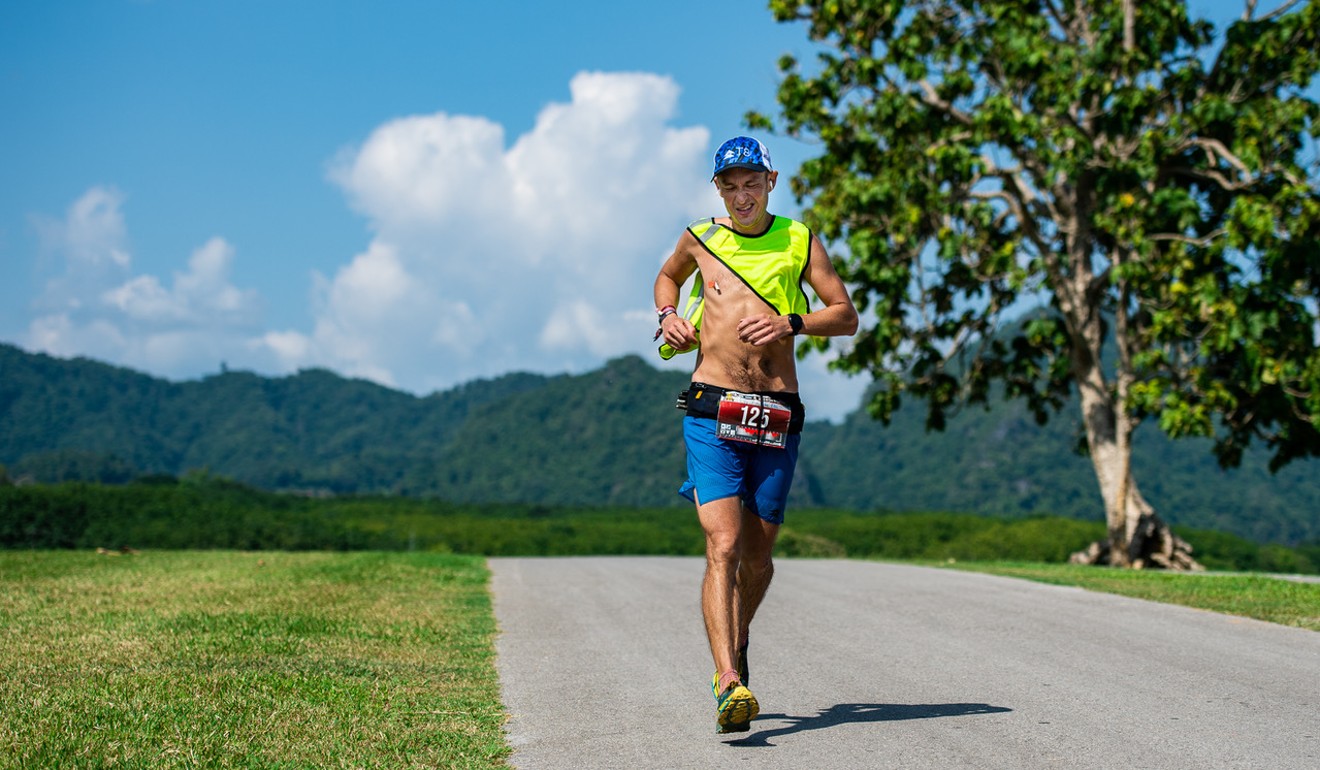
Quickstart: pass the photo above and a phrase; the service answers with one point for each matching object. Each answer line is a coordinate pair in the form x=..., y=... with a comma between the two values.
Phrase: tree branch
x=1203, y=241
x=932, y=99
x=1211, y=176
x=1057, y=15
x=1274, y=14
x=1215, y=148
x=1027, y=200
x=1129, y=26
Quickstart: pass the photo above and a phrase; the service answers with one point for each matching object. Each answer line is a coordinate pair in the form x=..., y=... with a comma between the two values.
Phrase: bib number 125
x=753, y=419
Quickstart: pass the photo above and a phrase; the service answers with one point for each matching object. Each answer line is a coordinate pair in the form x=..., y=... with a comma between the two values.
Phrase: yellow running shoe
x=735, y=708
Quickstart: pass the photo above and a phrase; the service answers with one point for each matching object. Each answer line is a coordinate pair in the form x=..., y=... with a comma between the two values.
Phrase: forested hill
x=611, y=436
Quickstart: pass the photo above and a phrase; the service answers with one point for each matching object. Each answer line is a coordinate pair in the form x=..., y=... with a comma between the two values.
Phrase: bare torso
x=725, y=360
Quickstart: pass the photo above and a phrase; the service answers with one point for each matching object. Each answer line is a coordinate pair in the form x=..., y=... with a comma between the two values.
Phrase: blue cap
x=742, y=152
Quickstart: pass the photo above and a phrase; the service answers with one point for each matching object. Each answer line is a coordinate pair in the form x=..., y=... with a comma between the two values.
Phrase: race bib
x=753, y=419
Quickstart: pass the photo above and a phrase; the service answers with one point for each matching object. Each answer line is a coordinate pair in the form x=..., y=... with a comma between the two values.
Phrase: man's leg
x=770, y=478
x=755, y=570
x=722, y=521
x=738, y=572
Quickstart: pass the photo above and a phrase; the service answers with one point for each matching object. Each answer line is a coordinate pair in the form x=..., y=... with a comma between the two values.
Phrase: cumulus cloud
x=92, y=235
x=489, y=256
x=200, y=296
x=94, y=305
x=484, y=254
x=88, y=248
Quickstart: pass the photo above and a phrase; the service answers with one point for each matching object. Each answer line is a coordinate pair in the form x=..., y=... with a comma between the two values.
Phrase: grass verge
x=247, y=660
x=1287, y=602
x=327, y=660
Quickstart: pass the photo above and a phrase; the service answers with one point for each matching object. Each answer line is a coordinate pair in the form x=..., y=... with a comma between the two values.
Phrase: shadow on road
x=848, y=713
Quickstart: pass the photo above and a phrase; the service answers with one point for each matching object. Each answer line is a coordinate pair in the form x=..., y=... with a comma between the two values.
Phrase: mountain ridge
x=606, y=437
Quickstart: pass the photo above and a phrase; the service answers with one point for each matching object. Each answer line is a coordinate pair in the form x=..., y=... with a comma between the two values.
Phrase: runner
x=743, y=414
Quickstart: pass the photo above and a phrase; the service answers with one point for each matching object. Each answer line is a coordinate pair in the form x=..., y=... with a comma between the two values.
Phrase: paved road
x=603, y=664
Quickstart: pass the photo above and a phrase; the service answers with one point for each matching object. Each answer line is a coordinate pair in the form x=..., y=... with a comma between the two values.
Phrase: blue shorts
x=718, y=468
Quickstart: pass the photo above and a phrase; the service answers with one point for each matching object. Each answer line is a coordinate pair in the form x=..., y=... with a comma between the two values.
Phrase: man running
x=743, y=415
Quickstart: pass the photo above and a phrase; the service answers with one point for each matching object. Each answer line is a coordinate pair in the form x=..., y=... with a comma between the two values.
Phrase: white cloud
x=535, y=256
x=373, y=305
x=487, y=254
x=59, y=335
x=89, y=249
x=95, y=306
x=92, y=235
x=487, y=258
x=424, y=171
x=200, y=296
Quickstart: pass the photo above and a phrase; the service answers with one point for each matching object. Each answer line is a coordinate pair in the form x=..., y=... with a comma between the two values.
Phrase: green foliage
x=208, y=512
x=944, y=536
x=972, y=152
x=611, y=438
x=74, y=465
x=314, y=431
x=1000, y=462
x=1156, y=187
x=205, y=512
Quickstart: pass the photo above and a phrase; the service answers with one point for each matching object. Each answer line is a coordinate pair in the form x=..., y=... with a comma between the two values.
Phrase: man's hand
x=678, y=331
x=764, y=329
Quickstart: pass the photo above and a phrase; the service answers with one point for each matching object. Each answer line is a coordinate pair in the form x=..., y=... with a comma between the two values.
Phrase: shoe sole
x=737, y=711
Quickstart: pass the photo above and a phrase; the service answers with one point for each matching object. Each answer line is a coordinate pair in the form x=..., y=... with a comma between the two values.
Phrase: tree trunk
x=1138, y=538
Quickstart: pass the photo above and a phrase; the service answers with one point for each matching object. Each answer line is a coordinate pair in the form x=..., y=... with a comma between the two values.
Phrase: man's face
x=746, y=195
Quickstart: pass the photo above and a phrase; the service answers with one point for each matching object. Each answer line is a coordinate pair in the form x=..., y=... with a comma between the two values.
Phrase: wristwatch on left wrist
x=795, y=322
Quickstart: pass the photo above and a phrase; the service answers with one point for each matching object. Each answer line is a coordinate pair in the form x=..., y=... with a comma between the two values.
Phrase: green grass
x=226, y=659
x=1276, y=600
x=247, y=660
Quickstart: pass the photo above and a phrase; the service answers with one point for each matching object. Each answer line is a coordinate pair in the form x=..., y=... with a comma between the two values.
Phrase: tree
x=1154, y=191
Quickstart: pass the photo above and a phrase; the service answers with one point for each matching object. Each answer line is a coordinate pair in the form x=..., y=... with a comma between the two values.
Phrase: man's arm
x=678, y=331
x=838, y=317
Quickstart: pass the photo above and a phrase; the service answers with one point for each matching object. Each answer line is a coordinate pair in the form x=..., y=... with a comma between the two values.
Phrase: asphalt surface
x=603, y=663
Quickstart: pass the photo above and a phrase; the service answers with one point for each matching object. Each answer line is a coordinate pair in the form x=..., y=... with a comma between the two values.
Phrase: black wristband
x=795, y=321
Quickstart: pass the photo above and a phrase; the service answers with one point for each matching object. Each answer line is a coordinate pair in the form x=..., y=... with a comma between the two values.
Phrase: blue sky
x=419, y=193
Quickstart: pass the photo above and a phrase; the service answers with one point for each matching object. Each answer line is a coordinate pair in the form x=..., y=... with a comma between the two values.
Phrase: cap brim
x=752, y=166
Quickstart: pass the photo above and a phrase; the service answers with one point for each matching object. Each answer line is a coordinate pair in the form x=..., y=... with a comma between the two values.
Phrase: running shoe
x=735, y=708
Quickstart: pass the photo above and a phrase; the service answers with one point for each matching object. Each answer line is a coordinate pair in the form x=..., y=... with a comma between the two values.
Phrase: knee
x=756, y=565
x=722, y=550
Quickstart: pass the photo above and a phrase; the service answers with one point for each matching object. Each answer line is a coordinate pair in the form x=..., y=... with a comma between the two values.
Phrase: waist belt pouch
x=703, y=400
